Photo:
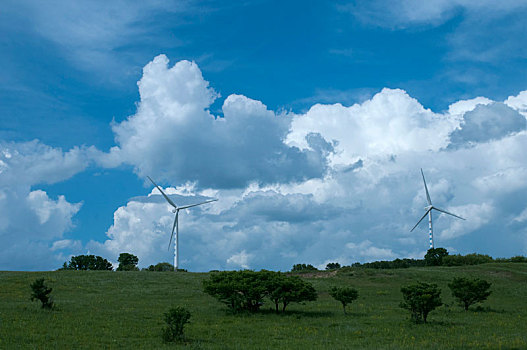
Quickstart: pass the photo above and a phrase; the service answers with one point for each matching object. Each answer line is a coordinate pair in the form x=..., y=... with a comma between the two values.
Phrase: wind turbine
x=175, y=227
x=429, y=213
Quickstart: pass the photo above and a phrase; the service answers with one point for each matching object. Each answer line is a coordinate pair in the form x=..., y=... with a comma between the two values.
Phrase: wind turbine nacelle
x=174, y=210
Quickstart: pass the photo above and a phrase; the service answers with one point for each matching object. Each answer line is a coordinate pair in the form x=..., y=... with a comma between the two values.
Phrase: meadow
x=114, y=310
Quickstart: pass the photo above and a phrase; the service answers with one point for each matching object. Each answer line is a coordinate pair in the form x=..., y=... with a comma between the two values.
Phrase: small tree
x=176, y=318
x=127, y=262
x=41, y=292
x=344, y=294
x=332, y=266
x=303, y=267
x=420, y=299
x=162, y=266
x=87, y=262
x=434, y=256
x=468, y=292
x=284, y=290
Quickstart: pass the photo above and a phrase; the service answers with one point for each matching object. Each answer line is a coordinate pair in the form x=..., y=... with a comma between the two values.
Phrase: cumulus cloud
x=488, y=122
x=333, y=184
x=31, y=221
x=173, y=136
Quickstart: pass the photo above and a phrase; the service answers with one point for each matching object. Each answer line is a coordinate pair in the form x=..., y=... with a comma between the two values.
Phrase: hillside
x=125, y=310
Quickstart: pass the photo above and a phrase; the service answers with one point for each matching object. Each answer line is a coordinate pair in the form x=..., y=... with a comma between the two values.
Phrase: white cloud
x=476, y=216
x=30, y=221
x=518, y=103
x=174, y=136
x=240, y=260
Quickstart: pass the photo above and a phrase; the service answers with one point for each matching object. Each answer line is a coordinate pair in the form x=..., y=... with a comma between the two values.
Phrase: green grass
x=114, y=310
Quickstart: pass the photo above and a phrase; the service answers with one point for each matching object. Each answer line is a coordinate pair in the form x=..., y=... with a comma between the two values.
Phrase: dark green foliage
x=303, y=267
x=246, y=290
x=239, y=290
x=434, y=256
x=163, y=267
x=127, y=262
x=88, y=262
x=332, y=266
x=469, y=259
x=420, y=299
x=39, y=291
x=176, y=318
x=468, y=292
x=394, y=264
x=283, y=289
x=344, y=294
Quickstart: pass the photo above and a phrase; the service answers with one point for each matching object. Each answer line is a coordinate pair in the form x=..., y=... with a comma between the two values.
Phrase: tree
x=176, y=318
x=434, y=256
x=88, y=262
x=420, y=299
x=344, y=294
x=127, y=262
x=239, y=290
x=332, y=266
x=283, y=289
x=303, y=267
x=162, y=266
x=41, y=292
x=468, y=292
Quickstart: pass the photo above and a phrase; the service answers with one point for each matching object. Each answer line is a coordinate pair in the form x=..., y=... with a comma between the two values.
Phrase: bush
x=163, y=266
x=239, y=290
x=332, y=266
x=420, y=299
x=468, y=292
x=246, y=290
x=303, y=268
x=127, y=262
x=283, y=289
x=434, y=256
x=41, y=292
x=519, y=259
x=469, y=259
x=344, y=294
x=87, y=262
x=393, y=264
x=176, y=318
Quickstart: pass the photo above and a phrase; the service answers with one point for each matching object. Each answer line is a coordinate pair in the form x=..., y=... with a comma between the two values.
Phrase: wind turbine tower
x=175, y=227
x=428, y=211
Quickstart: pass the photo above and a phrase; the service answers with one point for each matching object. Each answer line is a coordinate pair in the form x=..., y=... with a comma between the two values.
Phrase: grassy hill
x=115, y=310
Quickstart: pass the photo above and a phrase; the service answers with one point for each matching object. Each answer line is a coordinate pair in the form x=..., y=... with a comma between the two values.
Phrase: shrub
x=127, y=262
x=176, y=318
x=303, y=268
x=162, y=266
x=469, y=259
x=282, y=289
x=41, y=292
x=332, y=266
x=519, y=259
x=468, y=292
x=246, y=290
x=87, y=262
x=434, y=256
x=420, y=299
x=239, y=290
x=344, y=294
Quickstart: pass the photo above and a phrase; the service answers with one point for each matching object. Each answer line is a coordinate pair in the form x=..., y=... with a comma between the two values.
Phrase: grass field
x=115, y=310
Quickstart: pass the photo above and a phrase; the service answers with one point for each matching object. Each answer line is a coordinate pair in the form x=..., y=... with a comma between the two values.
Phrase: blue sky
x=308, y=121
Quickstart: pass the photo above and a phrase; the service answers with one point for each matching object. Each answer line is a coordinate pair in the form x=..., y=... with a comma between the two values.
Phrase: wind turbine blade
x=173, y=227
x=426, y=189
x=446, y=212
x=193, y=205
x=421, y=219
x=163, y=193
